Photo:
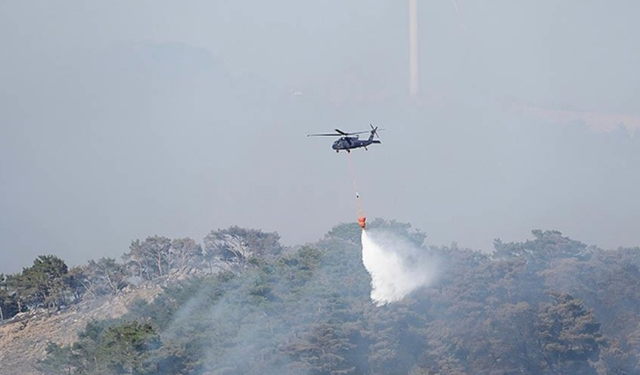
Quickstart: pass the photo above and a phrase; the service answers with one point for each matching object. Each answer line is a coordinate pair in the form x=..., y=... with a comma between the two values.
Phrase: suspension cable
x=361, y=217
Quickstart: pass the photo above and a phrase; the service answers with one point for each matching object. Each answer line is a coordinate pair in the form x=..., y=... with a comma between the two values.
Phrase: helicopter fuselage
x=349, y=143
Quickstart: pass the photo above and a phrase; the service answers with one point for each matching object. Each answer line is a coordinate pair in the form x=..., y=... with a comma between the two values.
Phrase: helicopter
x=350, y=141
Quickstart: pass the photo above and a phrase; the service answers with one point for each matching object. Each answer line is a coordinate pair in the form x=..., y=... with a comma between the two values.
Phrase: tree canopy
x=244, y=304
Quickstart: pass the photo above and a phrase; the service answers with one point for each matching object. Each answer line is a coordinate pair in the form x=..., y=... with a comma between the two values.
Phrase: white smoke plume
x=397, y=266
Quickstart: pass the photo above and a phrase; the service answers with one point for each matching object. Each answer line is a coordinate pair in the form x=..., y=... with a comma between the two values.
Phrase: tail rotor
x=374, y=131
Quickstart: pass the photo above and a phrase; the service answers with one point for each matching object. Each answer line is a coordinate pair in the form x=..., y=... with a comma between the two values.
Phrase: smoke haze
x=120, y=120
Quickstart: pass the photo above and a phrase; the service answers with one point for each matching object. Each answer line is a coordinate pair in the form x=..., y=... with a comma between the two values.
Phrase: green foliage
x=45, y=284
x=547, y=246
x=352, y=231
x=235, y=246
x=184, y=251
x=8, y=301
x=149, y=259
x=299, y=268
x=48, y=284
x=106, y=348
x=103, y=277
x=568, y=334
x=346, y=231
x=59, y=360
x=125, y=348
x=544, y=306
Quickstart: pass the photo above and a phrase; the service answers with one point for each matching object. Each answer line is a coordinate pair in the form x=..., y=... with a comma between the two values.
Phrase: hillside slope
x=24, y=339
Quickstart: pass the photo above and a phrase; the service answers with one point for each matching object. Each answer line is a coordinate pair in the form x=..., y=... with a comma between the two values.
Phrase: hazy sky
x=120, y=120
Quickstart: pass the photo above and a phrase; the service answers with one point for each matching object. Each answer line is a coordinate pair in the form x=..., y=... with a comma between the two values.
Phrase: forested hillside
x=241, y=303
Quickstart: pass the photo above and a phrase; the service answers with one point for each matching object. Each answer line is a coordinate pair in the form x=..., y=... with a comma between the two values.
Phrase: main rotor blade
x=352, y=133
x=339, y=133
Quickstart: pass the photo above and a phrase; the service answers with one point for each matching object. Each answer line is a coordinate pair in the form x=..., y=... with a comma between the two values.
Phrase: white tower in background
x=413, y=47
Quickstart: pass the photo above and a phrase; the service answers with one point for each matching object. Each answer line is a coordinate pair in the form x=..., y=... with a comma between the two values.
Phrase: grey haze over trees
x=51, y=285
x=546, y=305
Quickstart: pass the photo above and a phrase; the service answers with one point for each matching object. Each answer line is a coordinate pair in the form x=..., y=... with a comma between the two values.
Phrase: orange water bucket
x=362, y=222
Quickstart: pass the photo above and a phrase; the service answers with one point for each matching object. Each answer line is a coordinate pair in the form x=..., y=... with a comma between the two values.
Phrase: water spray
x=397, y=267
